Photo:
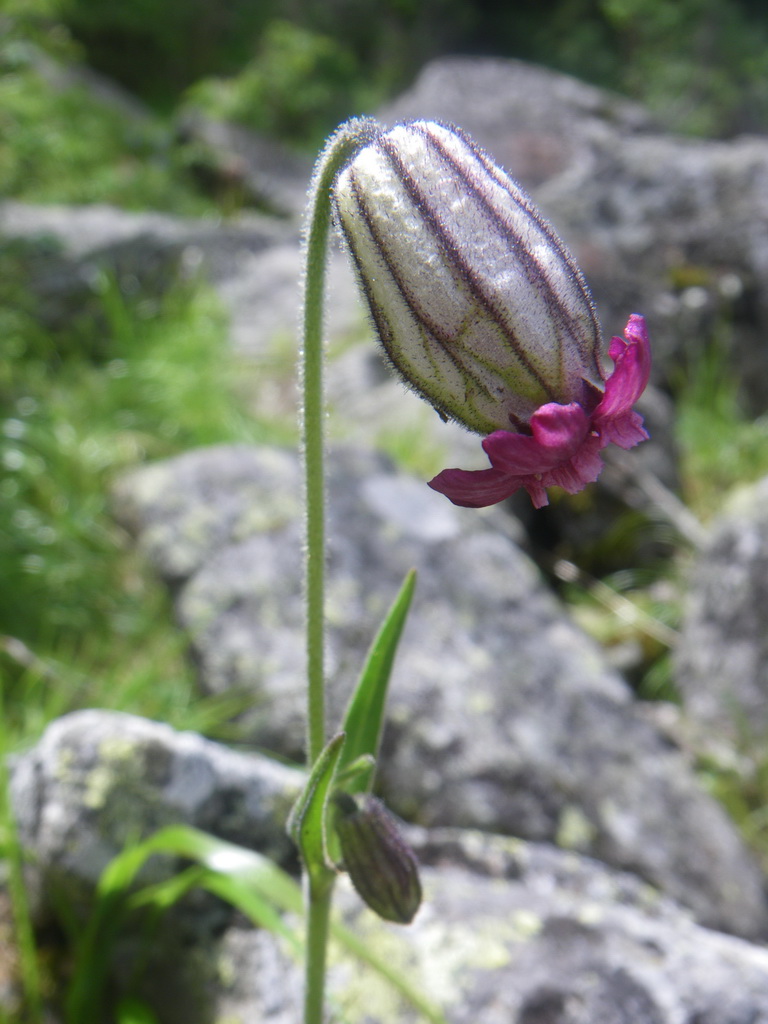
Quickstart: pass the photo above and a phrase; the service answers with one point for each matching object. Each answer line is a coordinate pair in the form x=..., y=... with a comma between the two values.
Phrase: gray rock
x=71, y=248
x=678, y=229
x=722, y=656
x=254, y=263
x=99, y=780
x=523, y=934
x=264, y=299
x=264, y=172
x=518, y=932
x=82, y=231
x=674, y=228
x=536, y=122
x=503, y=715
x=509, y=930
x=512, y=931
x=531, y=935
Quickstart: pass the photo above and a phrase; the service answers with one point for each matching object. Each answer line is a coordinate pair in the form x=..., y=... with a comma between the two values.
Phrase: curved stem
x=340, y=148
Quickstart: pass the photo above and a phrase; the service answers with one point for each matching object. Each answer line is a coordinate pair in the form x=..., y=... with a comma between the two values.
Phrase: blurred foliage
x=720, y=445
x=699, y=64
x=182, y=41
x=37, y=22
x=298, y=83
x=61, y=142
x=156, y=50
x=739, y=780
x=75, y=600
x=296, y=69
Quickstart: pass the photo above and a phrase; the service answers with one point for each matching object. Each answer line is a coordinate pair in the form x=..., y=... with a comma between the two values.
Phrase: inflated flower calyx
x=478, y=304
x=484, y=312
x=381, y=865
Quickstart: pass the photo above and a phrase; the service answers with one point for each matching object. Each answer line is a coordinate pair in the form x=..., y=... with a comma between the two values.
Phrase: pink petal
x=536, y=492
x=630, y=376
x=582, y=468
x=552, y=456
x=475, y=488
x=563, y=448
x=558, y=431
x=625, y=431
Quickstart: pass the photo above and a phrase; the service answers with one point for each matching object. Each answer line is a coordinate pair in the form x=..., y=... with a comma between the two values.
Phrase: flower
x=563, y=447
x=483, y=311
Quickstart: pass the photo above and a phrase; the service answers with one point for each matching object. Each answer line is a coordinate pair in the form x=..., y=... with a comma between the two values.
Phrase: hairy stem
x=341, y=146
x=319, y=892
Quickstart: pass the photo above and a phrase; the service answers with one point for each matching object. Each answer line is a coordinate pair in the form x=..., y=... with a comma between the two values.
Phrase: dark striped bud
x=381, y=865
x=477, y=302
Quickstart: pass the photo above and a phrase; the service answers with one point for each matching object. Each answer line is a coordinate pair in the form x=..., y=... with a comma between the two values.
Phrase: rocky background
x=575, y=868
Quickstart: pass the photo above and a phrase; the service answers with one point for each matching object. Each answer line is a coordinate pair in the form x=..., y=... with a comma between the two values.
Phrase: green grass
x=723, y=449
x=64, y=145
x=297, y=87
x=83, y=622
x=94, y=624
x=720, y=446
x=741, y=785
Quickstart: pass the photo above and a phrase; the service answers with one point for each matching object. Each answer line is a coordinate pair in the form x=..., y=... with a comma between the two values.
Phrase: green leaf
x=230, y=861
x=306, y=824
x=364, y=719
x=389, y=971
x=248, y=880
x=245, y=879
x=237, y=888
x=358, y=776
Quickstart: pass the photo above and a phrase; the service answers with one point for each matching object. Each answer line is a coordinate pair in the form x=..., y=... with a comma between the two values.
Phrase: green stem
x=318, y=920
x=340, y=148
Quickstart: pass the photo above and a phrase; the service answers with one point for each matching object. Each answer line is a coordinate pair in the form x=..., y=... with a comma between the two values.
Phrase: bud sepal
x=381, y=865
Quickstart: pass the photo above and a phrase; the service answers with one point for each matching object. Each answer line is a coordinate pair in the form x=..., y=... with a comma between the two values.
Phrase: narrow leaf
x=364, y=719
x=358, y=776
x=306, y=824
x=246, y=879
x=228, y=859
x=389, y=971
x=268, y=882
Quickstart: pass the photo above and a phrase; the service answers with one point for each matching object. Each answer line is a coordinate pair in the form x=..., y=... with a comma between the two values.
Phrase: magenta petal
x=625, y=431
x=558, y=431
x=582, y=468
x=516, y=454
x=560, y=428
x=475, y=488
x=536, y=492
x=563, y=448
x=630, y=376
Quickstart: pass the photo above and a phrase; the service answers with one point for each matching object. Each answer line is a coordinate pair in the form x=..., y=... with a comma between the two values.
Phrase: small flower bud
x=477, y=302
x=382, y=866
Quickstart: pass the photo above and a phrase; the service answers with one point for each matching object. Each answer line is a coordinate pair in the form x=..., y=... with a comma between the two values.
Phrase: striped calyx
x=381, y=865
x=477, y=302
